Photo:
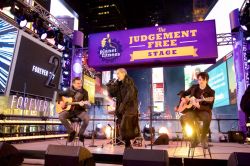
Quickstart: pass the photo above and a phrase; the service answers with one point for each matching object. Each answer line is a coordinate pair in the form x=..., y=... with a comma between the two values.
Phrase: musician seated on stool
x=202, y=103
x=79, y=110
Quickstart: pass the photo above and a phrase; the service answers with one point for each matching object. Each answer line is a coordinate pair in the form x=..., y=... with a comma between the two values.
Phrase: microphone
x=111, y=82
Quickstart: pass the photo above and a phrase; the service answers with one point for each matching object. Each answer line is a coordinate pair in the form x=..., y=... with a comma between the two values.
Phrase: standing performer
x=79, y=95
x=199, y=110
x=125, y=92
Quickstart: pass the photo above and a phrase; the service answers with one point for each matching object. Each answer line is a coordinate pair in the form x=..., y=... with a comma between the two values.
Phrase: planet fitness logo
x=110, y=49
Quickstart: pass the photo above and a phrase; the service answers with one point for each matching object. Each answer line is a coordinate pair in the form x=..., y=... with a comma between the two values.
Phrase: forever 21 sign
x=54, y=60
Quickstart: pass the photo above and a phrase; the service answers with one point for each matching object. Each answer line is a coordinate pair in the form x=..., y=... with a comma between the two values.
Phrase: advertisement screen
x=8, y=35
x=191, y=73
x=231, y=80
x=37, y=70
x=218, y=81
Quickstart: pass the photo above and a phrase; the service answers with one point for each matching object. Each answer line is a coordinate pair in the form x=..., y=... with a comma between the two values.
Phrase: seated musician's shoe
x=71, y=136
x=81, y=138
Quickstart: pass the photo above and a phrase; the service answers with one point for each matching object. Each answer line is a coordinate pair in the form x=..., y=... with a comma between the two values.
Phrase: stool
x=191, y=150
x=76, y=125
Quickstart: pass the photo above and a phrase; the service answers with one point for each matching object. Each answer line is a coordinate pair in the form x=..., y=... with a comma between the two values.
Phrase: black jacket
x=126, y=94
x=77, y=95
x=208, y=92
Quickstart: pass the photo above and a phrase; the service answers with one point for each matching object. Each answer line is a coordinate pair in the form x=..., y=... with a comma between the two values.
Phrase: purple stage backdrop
x=154, y=46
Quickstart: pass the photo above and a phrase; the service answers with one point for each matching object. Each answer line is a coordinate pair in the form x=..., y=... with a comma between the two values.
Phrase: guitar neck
x=200, y=100
x=73, y=103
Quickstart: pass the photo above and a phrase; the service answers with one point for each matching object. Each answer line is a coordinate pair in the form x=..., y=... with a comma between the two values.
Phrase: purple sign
x=154, y=46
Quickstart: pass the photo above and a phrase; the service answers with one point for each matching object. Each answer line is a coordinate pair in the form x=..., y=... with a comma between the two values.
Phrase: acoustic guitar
x=189, y=102
x=68, y=101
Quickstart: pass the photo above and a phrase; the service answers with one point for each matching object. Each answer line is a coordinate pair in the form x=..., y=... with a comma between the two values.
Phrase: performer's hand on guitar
x=82, y=103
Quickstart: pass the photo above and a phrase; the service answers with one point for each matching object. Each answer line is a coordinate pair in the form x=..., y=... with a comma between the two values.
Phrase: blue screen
x=8, y=35
x=218, y=81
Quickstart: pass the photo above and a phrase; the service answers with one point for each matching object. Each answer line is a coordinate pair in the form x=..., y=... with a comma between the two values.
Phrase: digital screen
x=191, y=74
x=37, y=70
x=106, y=76
x=231, y=80
x=218, y=81
x=8, y=35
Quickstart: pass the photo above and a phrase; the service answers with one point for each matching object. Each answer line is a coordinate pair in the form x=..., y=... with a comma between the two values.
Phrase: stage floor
x=219, y=151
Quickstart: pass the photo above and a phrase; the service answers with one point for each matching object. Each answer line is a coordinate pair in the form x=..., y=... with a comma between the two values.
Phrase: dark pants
x=193, y=118
x=65, y=115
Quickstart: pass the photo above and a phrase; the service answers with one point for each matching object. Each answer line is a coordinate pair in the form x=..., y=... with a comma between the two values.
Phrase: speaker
x=9, y=155
x=236, y=136
x=145, y=157
x=60, y=155
x=162, y=140
x=239, y=159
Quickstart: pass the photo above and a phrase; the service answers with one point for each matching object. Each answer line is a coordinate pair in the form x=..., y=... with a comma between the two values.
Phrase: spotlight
x=40, y=27
x=60, y=47
x=65, y=55
x=6, y=3
x=245, y=17
x=43, y=36
x=146, y=132
x=100, y=131
x=244, y=27
x=23, y=23
x=59, y=40
x=64, y=88
x=248, y=131
x=188, y=130
x=156, y=25
x=66, y=72
x=108, y=131
x=163, y=130
x=50, y=33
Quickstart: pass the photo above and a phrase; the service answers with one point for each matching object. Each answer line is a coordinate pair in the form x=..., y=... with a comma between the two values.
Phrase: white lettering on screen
x=40, y=71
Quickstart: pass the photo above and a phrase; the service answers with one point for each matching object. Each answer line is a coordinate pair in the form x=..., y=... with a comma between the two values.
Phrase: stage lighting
x=65, y=55
x=50, y=33
x=163, y=130
x=23, y=23
x=147, y=132
x=245, y=17
x=248, y=132
x=108, y=131
x=6, y=3
x=43, y=35
x=188, y=130
x=66, y=72
x=64, y=88
x=59, y=39
x=60, y=47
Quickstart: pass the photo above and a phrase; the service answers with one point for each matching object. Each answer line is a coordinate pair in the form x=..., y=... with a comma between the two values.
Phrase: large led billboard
x=218, y=81
x=37, y=70
x=8, y=35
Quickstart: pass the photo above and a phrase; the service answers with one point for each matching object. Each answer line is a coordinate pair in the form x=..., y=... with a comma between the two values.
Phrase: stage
x=105, y=153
